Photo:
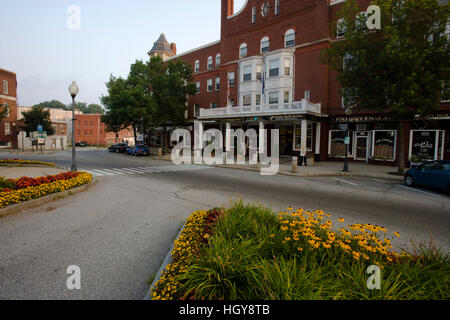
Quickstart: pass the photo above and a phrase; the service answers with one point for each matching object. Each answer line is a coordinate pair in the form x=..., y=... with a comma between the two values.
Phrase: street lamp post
x=348, y=112
x=73, y=90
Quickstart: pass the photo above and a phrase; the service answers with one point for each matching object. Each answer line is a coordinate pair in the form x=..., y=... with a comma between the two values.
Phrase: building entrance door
x=362, y=146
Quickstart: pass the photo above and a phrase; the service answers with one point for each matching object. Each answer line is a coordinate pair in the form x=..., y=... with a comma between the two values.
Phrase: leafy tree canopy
x=37, y=116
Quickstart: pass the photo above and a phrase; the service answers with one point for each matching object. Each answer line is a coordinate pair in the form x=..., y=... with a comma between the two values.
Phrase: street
x=120, y=230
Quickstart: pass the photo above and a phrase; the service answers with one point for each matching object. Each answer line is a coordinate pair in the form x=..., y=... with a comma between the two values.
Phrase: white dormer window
x=197, y=66
x=210, y=63
x=243, y=51
x=289, y=38
x=218, y=59
x=265, y=45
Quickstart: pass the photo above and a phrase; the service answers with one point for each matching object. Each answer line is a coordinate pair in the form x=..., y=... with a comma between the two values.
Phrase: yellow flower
x=300, y=249
x=397, y=234
x=272, y=235
x=341, y=220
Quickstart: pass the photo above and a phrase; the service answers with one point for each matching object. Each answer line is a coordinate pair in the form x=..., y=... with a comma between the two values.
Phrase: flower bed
x=250, y=253
x=22, y=162
x=33, y=188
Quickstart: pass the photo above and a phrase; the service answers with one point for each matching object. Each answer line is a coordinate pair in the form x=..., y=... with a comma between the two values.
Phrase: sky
x=38, y=45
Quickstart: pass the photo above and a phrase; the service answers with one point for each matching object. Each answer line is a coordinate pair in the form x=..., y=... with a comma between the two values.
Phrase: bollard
x=294, y=164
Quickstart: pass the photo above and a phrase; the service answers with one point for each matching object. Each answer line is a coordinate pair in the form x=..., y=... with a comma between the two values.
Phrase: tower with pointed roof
x=162, y=48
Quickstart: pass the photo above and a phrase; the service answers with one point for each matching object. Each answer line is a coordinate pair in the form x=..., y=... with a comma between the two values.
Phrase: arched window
x=289, y=38
x=341, y=28
x=265, y=45
x=197, y=66
x=217, y=59
x=210, y=63
x=243, y=51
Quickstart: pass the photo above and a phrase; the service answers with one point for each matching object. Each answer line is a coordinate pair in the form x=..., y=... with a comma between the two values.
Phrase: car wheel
x=409, y=181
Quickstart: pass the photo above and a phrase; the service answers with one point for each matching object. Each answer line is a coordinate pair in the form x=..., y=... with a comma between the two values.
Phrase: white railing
x=298, y=107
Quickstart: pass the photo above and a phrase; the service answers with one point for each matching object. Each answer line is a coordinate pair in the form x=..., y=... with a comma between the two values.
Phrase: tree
x=37, y=116
x=54, y=104
x=399, y=69
x=3, y=111
x=129, y=101
x=95, y=109
x=171, y=86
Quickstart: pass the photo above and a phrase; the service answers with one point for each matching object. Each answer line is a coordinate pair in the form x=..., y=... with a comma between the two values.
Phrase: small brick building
x=8, y=98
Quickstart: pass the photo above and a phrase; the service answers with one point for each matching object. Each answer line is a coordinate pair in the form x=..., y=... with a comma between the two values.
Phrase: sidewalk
x=320, y=169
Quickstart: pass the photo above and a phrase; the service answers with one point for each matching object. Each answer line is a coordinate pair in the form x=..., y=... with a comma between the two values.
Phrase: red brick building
x=89, y=128
x=8, y=99
x=268, y=52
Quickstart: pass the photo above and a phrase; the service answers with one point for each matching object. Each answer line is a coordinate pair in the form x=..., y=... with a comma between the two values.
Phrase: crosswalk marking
x=136, y=170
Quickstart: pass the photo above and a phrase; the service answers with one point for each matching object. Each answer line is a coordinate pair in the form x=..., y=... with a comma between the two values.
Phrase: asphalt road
x=119, y=231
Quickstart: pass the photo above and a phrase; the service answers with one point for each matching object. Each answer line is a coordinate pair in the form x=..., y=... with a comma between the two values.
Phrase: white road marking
x=103, y=172
x=420, y=191
x=126, y=172
x=113, y=171
x=137, y=170
x=132, y=170
x=345, y=181
x=381, y=181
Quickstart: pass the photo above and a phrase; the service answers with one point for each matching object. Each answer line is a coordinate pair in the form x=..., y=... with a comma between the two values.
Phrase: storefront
x=426, y=145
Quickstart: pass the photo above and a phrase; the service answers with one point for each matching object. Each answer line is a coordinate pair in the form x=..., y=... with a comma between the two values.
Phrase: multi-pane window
x=196, y=110
x=247, y=100
x=287, y=67
x=197, y=66
x=253, y=14
x=258, y=99
x=341, y=28
x=286, y=97
x=231, y=78
x=210, y=63
x=217, y=83
x=265, y=45
x=273, y=97
x=209, y=85
x=361, y=20
x=243, y=51
x=289, y=38
x=274, y=68
x=218, y=59
x=5, y=87
x=307, y=95
x=7, y=128
x=258, y=72
x=277, y=7
x=197, y=86
x=213, y=105
x=247, y=74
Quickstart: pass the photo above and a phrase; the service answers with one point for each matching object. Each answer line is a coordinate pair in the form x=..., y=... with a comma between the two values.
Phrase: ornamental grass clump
x=255, y=254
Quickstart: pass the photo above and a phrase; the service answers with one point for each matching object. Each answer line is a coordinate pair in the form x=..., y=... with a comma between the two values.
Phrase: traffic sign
x=40, y=134
x=40, y=128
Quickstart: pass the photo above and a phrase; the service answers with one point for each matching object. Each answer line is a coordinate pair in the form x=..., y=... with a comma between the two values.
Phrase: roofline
x=1, y=69
x=193, y=50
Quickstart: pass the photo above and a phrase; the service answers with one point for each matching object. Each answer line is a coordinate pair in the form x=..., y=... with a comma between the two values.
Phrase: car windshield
x=446, y=166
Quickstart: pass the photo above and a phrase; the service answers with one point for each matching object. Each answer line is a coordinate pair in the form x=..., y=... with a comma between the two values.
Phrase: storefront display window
x=337, y=144
x=426, y=145
x=383, y=145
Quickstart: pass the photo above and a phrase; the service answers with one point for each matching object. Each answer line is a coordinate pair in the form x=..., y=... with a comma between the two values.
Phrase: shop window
x=426, y=145
x=383, y=145
x=336, y=148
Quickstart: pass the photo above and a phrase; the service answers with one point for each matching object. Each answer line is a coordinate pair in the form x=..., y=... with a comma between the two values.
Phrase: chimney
x=173, y=47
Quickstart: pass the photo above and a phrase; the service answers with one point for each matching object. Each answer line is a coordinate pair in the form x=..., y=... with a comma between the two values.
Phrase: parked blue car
x=433, y=174
x=138, y=151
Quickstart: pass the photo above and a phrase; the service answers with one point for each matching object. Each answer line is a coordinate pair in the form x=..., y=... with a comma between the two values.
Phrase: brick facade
x=302, y=100
x=8, y=96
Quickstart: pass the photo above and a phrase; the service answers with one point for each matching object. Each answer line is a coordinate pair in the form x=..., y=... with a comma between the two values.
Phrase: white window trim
x=209, y=63
x=242, y=46
x=217, y=82
x=352, y=136
x=207, y=85
x=264, y=40
x=436, y=152
x=197, y=66
x=373, y=133
x=288, y=33
x=218, y=57
x=5, y=87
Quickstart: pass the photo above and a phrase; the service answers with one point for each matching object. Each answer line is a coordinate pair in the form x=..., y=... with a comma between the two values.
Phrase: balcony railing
x=298, y=107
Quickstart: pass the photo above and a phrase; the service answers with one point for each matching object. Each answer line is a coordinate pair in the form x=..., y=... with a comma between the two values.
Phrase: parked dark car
x=140, y=150
x=432, y=174
x=82, y=144
x=118, y=148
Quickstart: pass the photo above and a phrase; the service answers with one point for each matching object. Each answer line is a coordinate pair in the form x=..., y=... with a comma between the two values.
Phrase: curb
x=19, y=207
x=166, y=261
